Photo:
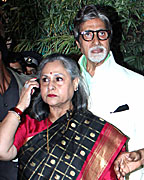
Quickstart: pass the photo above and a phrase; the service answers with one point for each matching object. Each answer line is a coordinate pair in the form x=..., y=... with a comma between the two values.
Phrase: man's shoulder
x=131, y=74
x=118, y=69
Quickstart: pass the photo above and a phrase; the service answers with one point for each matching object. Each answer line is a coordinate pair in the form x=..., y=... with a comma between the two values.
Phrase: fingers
x=118, y=168
x=121, y=178
x=26, y=85
x=31, y=83
x=27, y=91
x=121, y=165
x=127, y=162
x=135, y=156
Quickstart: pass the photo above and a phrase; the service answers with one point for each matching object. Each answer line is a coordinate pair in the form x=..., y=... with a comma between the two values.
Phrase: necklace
x=69, y=114
x=47, y=137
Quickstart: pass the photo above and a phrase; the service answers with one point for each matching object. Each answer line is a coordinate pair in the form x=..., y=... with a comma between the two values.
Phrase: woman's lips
x=52, y=95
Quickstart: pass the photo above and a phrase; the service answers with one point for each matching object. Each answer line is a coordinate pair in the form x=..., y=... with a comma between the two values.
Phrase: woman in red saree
x=60, y=139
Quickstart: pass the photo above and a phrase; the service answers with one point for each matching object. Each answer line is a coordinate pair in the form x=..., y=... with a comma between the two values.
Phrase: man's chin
x=96, y=59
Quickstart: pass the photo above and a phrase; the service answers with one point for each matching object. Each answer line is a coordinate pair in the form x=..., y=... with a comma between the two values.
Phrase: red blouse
x=29, y=128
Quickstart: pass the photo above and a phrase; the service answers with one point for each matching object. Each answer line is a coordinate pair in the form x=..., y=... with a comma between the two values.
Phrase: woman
x=63, y=140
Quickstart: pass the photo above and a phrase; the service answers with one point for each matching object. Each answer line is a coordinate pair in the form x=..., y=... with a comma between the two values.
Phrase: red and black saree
x=82, y=148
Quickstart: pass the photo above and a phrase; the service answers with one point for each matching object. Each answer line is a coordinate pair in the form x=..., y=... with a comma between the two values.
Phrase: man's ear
x=75, y=83
x=78, y=44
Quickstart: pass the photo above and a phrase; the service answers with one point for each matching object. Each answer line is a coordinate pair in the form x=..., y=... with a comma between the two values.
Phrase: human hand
x=127, y=162
x=26, y=93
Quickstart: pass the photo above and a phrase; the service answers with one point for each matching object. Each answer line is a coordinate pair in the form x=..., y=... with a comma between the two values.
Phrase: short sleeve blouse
x=29, y=128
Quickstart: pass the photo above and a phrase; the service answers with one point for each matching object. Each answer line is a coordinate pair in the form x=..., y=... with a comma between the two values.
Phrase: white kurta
x=113, y=86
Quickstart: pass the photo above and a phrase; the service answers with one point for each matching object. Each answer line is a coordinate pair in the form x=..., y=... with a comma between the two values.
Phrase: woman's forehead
x=55, y=67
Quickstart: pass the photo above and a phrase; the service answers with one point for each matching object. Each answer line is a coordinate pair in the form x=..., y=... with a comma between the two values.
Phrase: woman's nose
x=51, y=85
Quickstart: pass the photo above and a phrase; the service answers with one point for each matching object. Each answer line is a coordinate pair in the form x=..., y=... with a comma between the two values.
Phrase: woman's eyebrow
x=54, y=74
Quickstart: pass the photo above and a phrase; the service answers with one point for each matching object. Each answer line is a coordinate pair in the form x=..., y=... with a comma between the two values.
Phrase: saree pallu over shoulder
x=103, y=153
x=85, y=150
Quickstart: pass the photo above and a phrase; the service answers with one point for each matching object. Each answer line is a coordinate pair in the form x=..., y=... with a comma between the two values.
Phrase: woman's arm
x=9, y=125
x=8, y=128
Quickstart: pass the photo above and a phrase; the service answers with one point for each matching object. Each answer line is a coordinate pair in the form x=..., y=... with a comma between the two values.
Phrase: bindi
x=50, y=72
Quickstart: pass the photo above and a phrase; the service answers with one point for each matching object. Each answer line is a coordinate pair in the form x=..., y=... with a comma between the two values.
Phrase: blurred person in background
x=16, y=62
x=24, y=62
x=11, y=84
x=32, y=60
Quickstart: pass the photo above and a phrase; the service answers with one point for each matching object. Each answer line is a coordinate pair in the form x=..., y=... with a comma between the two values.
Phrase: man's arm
x=127, y=162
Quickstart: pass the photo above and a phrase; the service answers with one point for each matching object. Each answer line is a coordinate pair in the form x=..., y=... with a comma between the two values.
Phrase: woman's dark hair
x=89, y=12
x=80, y=98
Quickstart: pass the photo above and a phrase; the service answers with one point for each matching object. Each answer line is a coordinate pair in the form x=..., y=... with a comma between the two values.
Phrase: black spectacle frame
x=84, y=33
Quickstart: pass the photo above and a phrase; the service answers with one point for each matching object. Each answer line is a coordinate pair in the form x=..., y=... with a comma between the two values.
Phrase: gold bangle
x=17, y=115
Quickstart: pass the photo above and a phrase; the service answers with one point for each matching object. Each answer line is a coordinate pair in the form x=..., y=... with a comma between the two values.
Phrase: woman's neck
x=57, y=112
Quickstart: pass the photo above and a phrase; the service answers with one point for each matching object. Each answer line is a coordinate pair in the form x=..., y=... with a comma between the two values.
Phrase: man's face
x=16, y=66
x=95, y=50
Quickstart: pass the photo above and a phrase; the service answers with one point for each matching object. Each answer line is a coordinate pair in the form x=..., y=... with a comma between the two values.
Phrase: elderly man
x=116, y=93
